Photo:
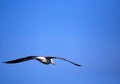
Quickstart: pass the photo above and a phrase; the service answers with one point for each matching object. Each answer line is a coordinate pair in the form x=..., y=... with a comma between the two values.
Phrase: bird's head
x=52, y=62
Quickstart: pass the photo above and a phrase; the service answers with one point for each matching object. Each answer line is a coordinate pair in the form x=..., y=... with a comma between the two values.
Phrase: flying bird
x=42, y=59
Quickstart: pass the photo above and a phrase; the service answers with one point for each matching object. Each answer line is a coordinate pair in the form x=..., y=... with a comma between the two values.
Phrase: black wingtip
x=78, y=65
x=3, y=62
x=6, y=62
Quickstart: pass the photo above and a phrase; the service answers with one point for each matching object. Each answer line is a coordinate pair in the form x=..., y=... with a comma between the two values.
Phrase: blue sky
x=83, y=31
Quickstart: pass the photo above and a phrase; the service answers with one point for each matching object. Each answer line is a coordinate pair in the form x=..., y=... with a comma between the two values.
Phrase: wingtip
x=78, y=65
x=3, y=62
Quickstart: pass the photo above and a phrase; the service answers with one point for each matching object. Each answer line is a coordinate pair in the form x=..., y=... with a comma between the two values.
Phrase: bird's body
x=42, y=59
x=45, y=60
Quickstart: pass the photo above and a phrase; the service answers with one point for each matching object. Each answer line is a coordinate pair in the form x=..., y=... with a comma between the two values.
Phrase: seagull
x=43, y=59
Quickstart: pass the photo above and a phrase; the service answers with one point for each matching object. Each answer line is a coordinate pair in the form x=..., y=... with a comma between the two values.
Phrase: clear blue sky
x=83, y=31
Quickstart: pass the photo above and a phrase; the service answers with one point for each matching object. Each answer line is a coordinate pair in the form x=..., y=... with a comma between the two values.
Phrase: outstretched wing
x=64, y=60
x=20, y=60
